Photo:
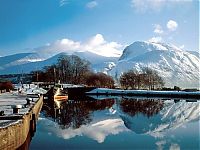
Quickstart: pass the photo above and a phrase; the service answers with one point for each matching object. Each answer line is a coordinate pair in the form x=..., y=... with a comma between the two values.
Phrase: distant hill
x=27, y=62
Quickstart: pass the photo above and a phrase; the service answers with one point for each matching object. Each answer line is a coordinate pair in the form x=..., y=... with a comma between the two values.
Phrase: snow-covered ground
x=141, y=92
x=20, y=94
x=28, y=89
x=8, y=100
x=71, y=86
x=18, y=98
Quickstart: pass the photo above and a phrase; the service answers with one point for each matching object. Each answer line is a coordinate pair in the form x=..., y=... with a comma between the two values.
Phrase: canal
x=118, y=123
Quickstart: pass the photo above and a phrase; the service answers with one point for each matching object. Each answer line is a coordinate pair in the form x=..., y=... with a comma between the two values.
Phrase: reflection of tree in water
x=76, y=113
x=147, y=107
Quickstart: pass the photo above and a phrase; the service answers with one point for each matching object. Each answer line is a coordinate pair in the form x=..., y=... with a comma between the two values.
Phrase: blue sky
x=28, y=24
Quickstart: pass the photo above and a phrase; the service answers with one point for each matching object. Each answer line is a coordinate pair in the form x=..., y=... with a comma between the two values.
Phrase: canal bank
x=144, y=93
x=14, y=128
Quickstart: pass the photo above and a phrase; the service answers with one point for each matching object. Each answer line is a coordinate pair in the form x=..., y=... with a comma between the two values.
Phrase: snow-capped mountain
x=98, y=63
x=27, y=62
x=176, y=66
x=18, y=59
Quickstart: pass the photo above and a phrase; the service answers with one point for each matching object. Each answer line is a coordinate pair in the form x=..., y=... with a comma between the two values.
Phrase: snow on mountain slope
x=28, y=67
x=94, y=58
x=176, y=66
x=28, y=62
x=194, y=53
x=98, y=63
x=18, y=59
x=139, y=48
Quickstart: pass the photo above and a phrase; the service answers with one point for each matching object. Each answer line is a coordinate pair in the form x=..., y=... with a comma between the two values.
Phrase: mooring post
x=16, y=108
x=28, y=101
x=2, y=113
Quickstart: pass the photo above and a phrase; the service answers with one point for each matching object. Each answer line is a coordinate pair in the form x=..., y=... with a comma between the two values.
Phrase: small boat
x=56, y=95
x=60, y=95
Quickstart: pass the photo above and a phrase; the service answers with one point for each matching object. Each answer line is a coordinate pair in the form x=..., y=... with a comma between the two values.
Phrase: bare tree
x=68, y=69
x=146, y=79
x=129, y=79
x=99, y=80
x=71, y=69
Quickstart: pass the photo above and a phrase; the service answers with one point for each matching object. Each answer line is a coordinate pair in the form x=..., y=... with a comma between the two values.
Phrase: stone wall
x=14, y=135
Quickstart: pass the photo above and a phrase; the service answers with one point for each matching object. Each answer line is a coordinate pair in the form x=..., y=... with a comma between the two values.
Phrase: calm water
x=118, y=123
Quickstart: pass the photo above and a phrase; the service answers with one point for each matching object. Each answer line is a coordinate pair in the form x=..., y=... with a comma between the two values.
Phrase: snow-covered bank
x=28, y=89
x=18, y=98
x=7, y=100
x=146, y=93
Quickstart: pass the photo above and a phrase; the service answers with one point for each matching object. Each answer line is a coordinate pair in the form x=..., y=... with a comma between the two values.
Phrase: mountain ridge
x=176, y=66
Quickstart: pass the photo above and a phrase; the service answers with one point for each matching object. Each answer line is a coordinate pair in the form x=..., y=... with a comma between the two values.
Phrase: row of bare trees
x=145, y=79
x=74, y=70
x=99, y=80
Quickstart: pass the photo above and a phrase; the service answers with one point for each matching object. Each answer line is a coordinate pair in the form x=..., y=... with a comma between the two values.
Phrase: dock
x=18, y=119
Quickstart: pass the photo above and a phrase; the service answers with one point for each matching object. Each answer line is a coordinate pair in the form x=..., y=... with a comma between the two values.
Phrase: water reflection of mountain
x=155, y=117
x=95, y=119
x=75, y=113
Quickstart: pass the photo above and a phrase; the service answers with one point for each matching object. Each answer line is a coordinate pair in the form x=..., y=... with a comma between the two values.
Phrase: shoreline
x=145, y=93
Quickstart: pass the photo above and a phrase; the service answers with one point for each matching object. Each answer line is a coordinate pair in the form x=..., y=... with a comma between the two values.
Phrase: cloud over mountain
x=96, y=44
x=172, y=25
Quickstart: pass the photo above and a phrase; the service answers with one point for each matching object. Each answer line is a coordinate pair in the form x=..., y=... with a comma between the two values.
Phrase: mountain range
x=176, y=66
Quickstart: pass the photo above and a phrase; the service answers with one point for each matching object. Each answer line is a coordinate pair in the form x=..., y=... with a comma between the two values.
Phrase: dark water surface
x=118, y=123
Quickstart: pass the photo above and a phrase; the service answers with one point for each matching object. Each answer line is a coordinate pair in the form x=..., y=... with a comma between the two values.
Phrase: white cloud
x=172, y=25
x=96, y=40
x=63, y=2
x=92, y=4
x=161, y=34
x=144, y=5
x=156, y=39
x=96, y=44
x=69, y=44
x=154, y=5
x=158, y=29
